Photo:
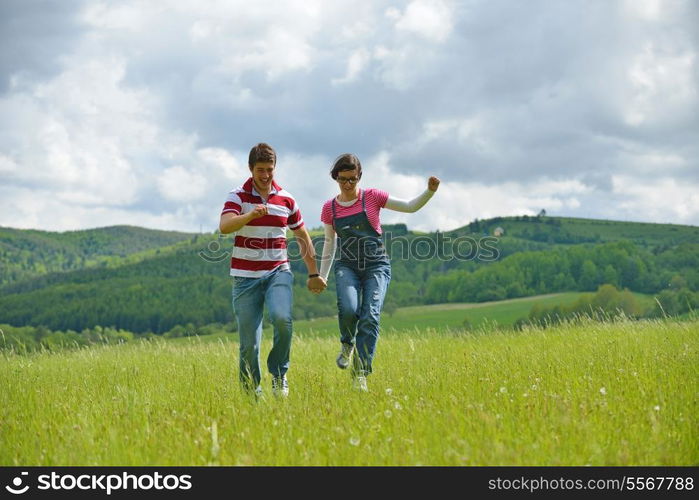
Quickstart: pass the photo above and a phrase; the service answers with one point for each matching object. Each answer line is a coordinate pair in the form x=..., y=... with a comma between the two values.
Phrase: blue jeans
x=360, y=295
x=249, y=297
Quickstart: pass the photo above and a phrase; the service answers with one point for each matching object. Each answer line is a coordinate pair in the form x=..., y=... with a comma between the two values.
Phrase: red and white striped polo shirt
x=260, y=245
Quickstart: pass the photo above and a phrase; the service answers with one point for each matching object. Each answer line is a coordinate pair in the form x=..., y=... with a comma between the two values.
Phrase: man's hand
x=316, y=285
x=259, y=211
x=433, y=183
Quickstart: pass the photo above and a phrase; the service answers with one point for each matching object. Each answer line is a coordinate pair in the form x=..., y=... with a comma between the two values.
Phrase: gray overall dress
x=362, y=275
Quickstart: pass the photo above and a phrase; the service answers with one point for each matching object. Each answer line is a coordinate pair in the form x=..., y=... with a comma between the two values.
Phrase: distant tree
x=562, y=282
x=390, y=306
x=677, y=283
x=610, y=276
x=515, y=289
x=588, y=276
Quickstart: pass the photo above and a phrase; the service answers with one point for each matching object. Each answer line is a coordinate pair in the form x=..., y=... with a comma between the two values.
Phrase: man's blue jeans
x=360, y=295
x=249, y=297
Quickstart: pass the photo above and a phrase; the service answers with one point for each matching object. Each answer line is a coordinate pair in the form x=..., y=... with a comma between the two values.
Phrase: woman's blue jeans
x=249, y=297
x=360, y=294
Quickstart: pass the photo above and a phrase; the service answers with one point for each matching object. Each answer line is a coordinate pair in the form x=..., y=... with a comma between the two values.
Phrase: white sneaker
x=359, y=383
x=280, y=386
x=345, y=356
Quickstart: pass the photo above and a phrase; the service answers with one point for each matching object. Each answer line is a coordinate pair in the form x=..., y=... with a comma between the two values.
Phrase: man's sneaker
x=280, y=386
x=345, y=356
x=248, y=389
x=359, y=383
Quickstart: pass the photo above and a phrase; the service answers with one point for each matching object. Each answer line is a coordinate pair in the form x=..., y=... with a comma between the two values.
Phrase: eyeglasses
x=345, y=180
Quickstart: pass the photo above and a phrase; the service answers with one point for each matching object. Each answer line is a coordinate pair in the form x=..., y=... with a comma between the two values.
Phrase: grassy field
x=447, y=316
x=620, y=393
x=453, y=316
x=440, y=317
x=638, y=232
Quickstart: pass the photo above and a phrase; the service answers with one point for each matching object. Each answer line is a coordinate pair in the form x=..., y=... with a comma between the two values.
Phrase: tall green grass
x=621, y=393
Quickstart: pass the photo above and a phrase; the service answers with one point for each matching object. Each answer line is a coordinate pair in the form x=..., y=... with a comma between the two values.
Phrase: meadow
x=586, y=393
x=455, y=316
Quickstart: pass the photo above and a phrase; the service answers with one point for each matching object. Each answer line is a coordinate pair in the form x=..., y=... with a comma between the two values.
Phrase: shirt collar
x=249, y=187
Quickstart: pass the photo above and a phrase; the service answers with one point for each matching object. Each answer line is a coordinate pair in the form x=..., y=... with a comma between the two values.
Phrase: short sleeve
x=380, y=197
x=232, y=204
x=326, y=216
x=295, y=221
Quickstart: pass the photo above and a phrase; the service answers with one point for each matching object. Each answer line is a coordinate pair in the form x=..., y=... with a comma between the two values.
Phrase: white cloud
x=470, y=131
x=307, y=178
x=123, y=16
x=279, y=52
x=223, y=160
x=662, y=86
x=649, y=10
x=7, y=166
x=26, y=208
x=457, y=203
x=93, y=148
x=429, y=19
x=181, y=185
x=146, y=116
x=665, y=200
x=356, y=63
x=356, y=31
x=82, y=122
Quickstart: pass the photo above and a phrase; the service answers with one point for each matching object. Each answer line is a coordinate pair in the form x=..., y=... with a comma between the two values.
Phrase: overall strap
x=363, y=200
x=332, y=205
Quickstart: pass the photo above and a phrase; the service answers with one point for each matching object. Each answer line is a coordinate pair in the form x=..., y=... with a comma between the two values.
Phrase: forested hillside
x=28, y=253
x=125, y=283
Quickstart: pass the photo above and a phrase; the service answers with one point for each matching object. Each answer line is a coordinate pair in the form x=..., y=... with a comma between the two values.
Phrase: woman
x=362, y=271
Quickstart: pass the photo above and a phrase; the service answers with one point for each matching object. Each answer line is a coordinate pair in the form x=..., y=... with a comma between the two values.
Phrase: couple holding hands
x=259, y=212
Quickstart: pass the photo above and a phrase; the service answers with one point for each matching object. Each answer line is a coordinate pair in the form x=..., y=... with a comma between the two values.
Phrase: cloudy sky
x=143, y=112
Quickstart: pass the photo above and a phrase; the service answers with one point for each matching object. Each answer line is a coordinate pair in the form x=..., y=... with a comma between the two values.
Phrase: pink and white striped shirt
x=260, y=245
x=375, y=201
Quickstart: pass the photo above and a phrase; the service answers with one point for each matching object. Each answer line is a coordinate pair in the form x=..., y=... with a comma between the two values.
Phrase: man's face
x=262, y=174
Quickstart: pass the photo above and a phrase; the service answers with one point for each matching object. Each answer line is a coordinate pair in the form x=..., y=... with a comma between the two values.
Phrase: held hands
x=433, y=183
x=316, y=285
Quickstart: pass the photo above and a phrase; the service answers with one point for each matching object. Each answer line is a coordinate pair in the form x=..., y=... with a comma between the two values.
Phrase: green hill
x=28, y=253
x=142, y=280
x=569, y=230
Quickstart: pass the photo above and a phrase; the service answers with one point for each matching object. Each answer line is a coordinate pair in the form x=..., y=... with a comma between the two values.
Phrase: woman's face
x=348, y=179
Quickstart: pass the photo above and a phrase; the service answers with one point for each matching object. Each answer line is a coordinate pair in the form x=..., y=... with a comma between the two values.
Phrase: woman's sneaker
x=359, y=383
x=280, y=386
x=345, y=356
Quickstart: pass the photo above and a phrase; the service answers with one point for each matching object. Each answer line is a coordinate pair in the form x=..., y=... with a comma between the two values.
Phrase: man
x=260, y=212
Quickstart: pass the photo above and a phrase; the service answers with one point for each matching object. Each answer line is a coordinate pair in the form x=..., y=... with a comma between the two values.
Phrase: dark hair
x=262, y=152
x=346, y=161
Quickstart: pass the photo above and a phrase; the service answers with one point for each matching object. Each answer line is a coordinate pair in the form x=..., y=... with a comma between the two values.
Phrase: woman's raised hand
x=433, y=183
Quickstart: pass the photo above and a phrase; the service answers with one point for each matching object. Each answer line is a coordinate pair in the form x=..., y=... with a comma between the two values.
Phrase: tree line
x=578, y=268
x=609, y=303
x=188, y=282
